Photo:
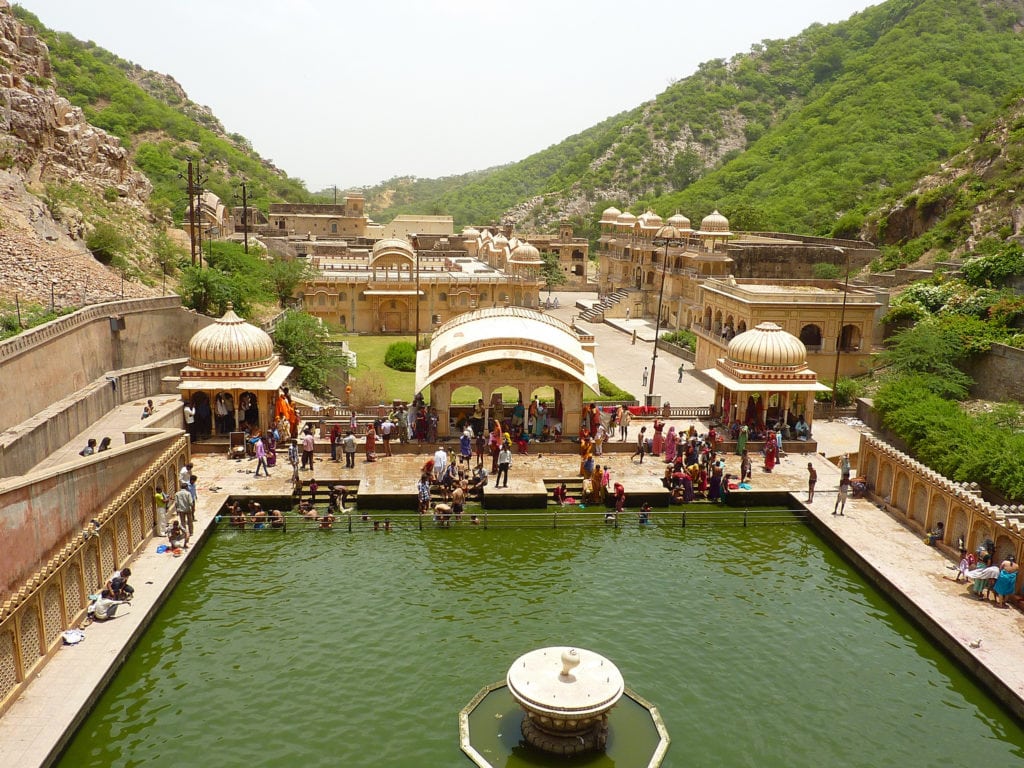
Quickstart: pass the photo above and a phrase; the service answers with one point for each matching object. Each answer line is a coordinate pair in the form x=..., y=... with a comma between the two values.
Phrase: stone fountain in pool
x=563, y=699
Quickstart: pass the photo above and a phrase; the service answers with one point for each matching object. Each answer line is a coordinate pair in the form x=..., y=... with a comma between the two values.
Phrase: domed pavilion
x=235, y=360
x=488, y=349
x=764, y=379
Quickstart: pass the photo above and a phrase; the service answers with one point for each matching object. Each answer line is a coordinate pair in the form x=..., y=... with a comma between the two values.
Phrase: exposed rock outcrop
x=47, y=136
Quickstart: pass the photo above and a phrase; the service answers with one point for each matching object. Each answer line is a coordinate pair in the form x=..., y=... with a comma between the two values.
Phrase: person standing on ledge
x=841, y=494
x=641, y=445
x=644, y=377
x=189, y=414
x=812, y=478
x=504, y=462
x=185, y=507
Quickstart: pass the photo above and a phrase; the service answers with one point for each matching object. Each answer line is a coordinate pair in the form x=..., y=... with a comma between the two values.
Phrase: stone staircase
x=596, y=312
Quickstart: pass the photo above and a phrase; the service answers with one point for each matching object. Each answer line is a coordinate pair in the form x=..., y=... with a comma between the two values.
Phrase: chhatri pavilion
x=237, y=360
x=764, y=379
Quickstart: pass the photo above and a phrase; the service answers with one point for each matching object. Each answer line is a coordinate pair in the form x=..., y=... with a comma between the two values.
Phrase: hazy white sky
x=347, y=93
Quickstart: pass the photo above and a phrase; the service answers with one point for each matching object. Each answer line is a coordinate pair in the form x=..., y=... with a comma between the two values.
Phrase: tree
x=930, y=352
x=203, y=289
x=552, y=272
x=302, y=342
x=285, y=275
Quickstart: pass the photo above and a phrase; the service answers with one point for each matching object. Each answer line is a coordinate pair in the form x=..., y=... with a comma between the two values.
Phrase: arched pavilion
x=233, y=358
x=513, y=346
x=764, y=378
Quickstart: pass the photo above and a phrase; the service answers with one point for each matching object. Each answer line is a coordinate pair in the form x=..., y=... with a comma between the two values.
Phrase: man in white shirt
x=440, y=463
x=386, y=429
x=190, y=421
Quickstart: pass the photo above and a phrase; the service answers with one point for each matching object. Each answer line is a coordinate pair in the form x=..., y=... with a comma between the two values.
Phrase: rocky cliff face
x=45, y=139
x=47, y=136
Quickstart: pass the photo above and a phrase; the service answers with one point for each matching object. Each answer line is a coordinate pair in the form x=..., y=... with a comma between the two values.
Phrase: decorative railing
x=55, y=598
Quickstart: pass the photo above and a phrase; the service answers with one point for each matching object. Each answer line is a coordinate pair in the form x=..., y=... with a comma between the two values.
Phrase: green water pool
x=759, y=646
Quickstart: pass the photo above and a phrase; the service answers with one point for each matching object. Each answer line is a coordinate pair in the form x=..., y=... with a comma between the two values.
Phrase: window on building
x=810, y=335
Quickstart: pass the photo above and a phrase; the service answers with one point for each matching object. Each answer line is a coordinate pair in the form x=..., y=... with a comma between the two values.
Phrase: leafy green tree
x=284, y=276
x=204, y=290
x=551, y=272
x=301, y=341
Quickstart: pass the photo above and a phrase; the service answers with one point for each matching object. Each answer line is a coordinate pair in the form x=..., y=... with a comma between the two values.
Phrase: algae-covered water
x=759, y=646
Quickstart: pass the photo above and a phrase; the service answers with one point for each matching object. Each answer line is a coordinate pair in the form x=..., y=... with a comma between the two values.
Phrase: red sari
x=771, y=452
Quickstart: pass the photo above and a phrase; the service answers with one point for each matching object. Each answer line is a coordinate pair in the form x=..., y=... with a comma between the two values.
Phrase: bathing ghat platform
x=389, y=483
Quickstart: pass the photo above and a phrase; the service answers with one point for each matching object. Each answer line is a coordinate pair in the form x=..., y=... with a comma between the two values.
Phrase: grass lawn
x=398, y=385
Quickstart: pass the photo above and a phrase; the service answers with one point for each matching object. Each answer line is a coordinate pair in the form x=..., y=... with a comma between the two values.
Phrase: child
x=967, y=561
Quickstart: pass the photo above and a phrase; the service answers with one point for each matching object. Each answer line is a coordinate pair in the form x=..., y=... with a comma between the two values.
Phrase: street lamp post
x=665, y=236
x=839, y=337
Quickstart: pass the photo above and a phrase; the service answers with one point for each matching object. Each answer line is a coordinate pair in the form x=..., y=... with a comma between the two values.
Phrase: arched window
x=810, y=335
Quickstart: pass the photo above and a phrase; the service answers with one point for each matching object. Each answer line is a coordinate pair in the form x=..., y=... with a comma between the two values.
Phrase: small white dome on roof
x=650, y=220
x=625, y=220
x=471, y=232
x=679, y=221
x=525, y=253
x=715, y=222
x=609, y=215
x=230, y=340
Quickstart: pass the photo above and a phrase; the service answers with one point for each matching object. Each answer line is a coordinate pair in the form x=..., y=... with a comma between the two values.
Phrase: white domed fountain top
x=567, y=693
x=565, y=681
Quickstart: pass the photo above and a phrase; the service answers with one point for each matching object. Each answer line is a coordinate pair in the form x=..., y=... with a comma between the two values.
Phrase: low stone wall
x=922, y=498
x=26, y=445
x=675, y=349
x=42, y=511
x=54, y=596
x=998, y=374
x=52, y=362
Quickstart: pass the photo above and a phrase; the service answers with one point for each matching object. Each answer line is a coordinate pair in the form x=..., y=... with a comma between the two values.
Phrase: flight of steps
x=596, y=312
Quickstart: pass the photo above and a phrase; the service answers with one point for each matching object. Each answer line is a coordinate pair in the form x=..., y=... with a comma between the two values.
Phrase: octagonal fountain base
x=491, y=734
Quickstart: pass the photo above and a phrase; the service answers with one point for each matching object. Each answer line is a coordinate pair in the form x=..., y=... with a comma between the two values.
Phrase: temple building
x=837, y=322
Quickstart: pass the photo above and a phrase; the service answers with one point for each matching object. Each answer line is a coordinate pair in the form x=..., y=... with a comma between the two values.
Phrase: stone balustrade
x=923, y=498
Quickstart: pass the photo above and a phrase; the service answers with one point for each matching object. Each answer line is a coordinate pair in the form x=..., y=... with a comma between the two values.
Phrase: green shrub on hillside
x=105, y=243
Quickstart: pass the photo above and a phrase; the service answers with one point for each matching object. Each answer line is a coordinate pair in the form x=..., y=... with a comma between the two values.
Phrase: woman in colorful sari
x=671, y=444
x=741, y=440
x=658, y=440
x=771, y=452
